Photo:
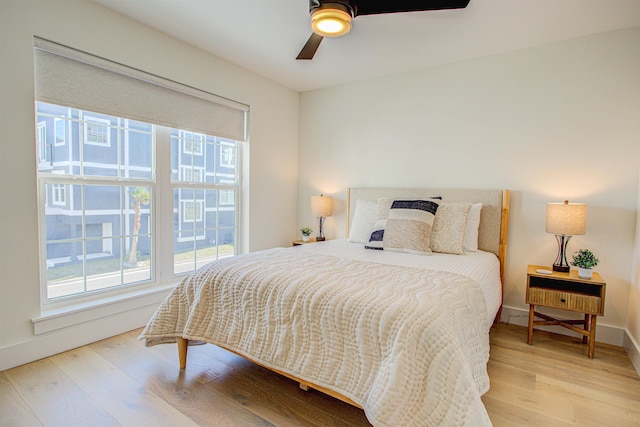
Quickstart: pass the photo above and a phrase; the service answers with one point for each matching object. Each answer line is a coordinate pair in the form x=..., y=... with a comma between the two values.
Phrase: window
x=192, y=210
x=42, y=141
x=96, y=131
x=59, y=194
x=204, y=228
x=118, y=171
x=191, y=142
x=190, y=174
x=228, y=156
x=100, y=235
x=227, y=197
x=60, y=126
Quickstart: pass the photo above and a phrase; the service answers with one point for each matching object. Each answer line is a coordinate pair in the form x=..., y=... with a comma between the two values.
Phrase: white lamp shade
x=568, y=219
x=320, y=206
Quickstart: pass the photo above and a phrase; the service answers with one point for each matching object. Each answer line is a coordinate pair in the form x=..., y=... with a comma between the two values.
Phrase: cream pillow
x=471, y=231
x=409, y=226
x=363, y=221
x=449, y=227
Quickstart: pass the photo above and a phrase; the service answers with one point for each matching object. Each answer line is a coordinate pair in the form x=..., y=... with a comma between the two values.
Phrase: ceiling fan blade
x=374, y=7
x=310, y=47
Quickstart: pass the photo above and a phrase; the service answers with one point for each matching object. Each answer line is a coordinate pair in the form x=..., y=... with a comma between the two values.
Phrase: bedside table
x=302, y=242
x=566, y=291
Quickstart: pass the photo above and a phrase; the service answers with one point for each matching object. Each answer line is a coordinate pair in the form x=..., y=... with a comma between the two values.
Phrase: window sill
x=60, y=318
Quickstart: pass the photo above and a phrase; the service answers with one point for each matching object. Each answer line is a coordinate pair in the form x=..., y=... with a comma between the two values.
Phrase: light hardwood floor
x=120, y=382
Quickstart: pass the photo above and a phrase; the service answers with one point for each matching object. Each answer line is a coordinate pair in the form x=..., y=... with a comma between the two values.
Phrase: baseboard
x=604, y=333
x=46, y=345
x=633, y=350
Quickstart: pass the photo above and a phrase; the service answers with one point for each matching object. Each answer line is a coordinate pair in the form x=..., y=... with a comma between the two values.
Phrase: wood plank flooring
x=119, y=382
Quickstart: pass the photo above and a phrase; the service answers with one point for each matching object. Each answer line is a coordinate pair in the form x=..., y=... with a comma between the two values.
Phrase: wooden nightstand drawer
x=565, y=300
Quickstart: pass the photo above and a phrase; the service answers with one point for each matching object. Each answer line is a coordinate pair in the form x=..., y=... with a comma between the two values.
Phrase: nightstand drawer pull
x=562, y=300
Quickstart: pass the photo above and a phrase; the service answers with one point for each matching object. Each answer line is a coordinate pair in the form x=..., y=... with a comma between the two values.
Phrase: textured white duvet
x=408, y=344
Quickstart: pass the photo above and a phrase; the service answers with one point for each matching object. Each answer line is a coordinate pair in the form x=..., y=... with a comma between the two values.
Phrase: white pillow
x=363, y=221
x=471, y=230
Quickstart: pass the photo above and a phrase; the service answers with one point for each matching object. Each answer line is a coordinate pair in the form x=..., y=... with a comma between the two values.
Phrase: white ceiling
x=265, y=36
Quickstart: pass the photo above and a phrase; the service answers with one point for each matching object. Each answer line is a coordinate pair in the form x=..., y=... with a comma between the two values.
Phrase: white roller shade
x=65, y=76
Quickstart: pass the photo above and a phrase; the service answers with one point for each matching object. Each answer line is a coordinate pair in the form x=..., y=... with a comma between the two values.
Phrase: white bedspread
x=483, y=267
x=408, y=344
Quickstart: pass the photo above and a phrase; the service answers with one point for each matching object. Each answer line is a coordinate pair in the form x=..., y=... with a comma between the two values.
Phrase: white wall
x=272, y=170
x=632, y=338
x=552, y=122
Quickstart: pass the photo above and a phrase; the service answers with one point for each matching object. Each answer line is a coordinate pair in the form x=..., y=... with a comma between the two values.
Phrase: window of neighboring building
x=96, y=131
x=227, y=197
x=59, y=194
x=191, y=142
x=228, y=156
x=60, y=127
x=42, y=141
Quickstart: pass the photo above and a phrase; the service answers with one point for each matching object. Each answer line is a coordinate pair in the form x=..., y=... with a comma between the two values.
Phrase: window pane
x=65, y=270
x=197, y=233
x=192, y=156
x=138, y=223
x=77, y=142
x=136, y=141
x=103, y=270
x=99, y=239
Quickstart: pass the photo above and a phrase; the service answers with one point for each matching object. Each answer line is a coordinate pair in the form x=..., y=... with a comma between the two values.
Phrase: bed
x=401, y=332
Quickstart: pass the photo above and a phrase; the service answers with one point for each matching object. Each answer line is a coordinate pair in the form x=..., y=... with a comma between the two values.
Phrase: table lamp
x=565, y=220
x=320, y=208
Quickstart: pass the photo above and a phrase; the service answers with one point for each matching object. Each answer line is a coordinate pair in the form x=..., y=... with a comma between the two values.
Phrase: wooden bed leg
x=183, y=344
x=304, y=387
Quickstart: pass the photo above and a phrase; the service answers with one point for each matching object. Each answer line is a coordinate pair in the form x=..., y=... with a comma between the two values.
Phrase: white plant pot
x=585, y=273
x=305, y=238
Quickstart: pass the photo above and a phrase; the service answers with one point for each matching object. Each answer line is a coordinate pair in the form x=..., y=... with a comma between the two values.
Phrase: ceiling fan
x=332, y=18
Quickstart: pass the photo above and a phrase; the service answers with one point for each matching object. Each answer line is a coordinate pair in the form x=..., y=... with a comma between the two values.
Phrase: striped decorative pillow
x=409, y=226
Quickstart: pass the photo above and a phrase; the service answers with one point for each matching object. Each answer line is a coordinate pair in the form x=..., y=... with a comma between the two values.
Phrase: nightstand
x=566, y=291
x=302, y=242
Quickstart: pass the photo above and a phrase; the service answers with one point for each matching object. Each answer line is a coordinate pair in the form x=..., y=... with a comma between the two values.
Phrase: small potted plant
x=306, y=232
x=585, y=260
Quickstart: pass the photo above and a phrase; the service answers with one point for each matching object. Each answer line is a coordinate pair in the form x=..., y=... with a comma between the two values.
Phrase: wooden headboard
x=494, y=216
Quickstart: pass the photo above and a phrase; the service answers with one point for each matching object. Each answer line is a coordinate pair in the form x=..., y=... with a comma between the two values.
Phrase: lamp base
x=561, y=268
x=561, y=264
x=320, y=239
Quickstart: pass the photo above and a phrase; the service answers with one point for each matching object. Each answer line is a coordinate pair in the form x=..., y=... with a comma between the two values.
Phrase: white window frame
x=87, y=120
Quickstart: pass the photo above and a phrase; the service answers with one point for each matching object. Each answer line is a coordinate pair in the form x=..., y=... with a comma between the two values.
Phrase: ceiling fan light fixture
x=331, y=21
